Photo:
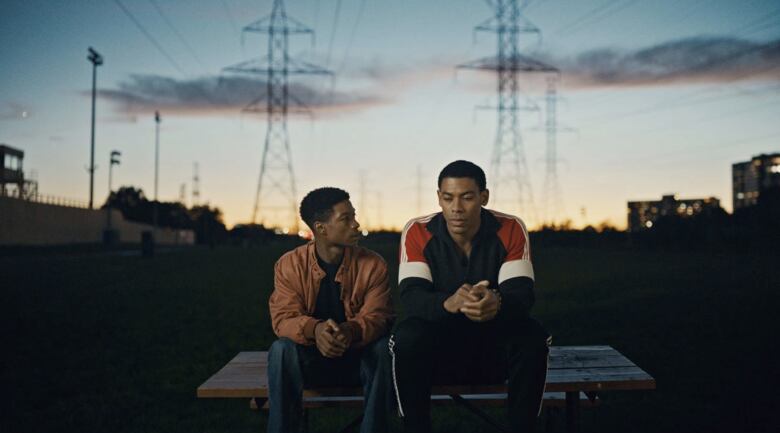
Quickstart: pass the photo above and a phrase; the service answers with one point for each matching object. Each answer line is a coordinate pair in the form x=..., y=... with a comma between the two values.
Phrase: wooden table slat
x=551, y=399
x=555, y=352
x=571, y=368
x=560, y=357
x=607, y=361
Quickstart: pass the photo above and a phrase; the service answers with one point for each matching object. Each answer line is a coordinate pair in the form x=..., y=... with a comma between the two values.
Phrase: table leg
x=257, y=403
x=476, y=411
x=549, y=413
x=352, y=424
x=572, y=411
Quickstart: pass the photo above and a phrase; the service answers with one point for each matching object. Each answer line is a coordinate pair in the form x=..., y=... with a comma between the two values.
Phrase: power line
x=230, y=17
x=348, y=48
x=665, y=106
x=533, y=5
x=587, y=15
x=150, y=37
x=760, y=29
x=707, y=119
x=178, y=35
x=605, y=15
x=744, y=140
x=695, y=9
x=333, y=32
x=746, y=29
x=700, y=68
x=316, y=18
x=683, y=16
x=352, y=35
x=708, y=146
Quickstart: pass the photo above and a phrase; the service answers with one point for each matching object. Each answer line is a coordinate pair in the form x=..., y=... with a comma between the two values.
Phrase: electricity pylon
x=276, y=193
x=510, y=186
x=553, y=203
x=195, y=185
x=552, y=200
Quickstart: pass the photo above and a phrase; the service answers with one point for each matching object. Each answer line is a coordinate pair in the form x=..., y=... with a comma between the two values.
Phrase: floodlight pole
x=156, y=151
x=114, y=160
x=96, y=59
x=156, y=163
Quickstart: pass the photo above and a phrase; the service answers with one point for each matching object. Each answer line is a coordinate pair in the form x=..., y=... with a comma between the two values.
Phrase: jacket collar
x=311, y=252
x=488, y=225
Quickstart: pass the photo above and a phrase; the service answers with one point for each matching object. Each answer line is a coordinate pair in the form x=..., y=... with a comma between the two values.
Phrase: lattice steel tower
x=510, y=184
x=552, y=199
x=276, y=194
x=195, y=185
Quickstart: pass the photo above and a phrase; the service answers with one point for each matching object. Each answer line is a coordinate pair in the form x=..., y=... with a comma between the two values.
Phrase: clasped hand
x=332, y=339
x=477, y=302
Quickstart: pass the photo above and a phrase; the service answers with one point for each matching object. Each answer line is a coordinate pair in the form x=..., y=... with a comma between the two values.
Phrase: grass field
x=110, y=343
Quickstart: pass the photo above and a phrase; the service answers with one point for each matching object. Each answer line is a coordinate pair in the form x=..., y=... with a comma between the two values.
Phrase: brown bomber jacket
x=364, y=292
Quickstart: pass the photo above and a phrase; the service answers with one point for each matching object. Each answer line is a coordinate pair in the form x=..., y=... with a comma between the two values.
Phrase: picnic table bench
x=575, y=376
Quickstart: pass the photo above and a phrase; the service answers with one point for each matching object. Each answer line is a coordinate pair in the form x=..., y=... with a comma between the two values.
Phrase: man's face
x=342, y=227
x=461, y=201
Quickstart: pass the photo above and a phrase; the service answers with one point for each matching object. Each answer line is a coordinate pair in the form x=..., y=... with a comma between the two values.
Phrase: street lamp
x=114, y=160
x=156, y=150
x=96, y=60
x=156, y=163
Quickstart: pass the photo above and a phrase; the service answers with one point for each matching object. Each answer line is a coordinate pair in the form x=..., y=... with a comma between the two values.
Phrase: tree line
x=204, y=220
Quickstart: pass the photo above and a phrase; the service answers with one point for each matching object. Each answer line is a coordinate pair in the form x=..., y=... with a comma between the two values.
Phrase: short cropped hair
x=318, y=204
x=461, y=168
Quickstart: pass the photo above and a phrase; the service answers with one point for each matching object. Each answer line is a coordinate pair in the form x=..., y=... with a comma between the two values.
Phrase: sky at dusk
x=656, y=97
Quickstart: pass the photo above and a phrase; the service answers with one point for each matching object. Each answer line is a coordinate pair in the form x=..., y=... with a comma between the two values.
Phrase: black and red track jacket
x=431, y=268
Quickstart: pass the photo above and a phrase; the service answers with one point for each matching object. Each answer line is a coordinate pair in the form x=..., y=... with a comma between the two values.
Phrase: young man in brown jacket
x=331, y=309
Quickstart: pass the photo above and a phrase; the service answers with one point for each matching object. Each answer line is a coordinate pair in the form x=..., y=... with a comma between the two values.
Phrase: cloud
x=143, y=94
x=370, y=83
x=698, y=59
x=390, y=79
x=689, y=60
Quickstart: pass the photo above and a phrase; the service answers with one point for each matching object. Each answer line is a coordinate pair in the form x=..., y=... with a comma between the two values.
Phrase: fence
x=39, y=222
x=45, y=199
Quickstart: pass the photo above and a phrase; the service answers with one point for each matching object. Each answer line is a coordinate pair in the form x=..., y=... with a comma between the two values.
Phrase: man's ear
x=484, y=196
x=319, y=228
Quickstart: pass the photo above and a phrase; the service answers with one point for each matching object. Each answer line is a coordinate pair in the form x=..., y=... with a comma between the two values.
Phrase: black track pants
x=461, y=352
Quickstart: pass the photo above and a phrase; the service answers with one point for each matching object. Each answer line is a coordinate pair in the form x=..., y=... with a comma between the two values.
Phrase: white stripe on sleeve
x=414, y=269
x=515, y=268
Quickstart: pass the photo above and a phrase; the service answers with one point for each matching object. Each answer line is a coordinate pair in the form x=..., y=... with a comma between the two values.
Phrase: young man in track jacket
x=331, y=309
x=467, y=287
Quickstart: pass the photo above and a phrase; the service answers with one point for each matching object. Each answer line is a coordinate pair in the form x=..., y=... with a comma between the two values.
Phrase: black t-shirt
x=329, y=305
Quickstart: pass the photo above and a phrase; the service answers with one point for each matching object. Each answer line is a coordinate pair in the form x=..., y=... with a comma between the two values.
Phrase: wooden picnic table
x=576, y=374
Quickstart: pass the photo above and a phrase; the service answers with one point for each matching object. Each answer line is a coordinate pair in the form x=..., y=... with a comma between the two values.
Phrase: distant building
x=750, y=178
x=642, y=215
x=11, y=172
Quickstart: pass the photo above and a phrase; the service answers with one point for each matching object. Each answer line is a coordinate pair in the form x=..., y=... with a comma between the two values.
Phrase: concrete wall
x=28, y=223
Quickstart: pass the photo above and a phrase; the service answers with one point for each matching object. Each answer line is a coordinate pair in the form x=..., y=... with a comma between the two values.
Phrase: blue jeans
x=291, y=367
